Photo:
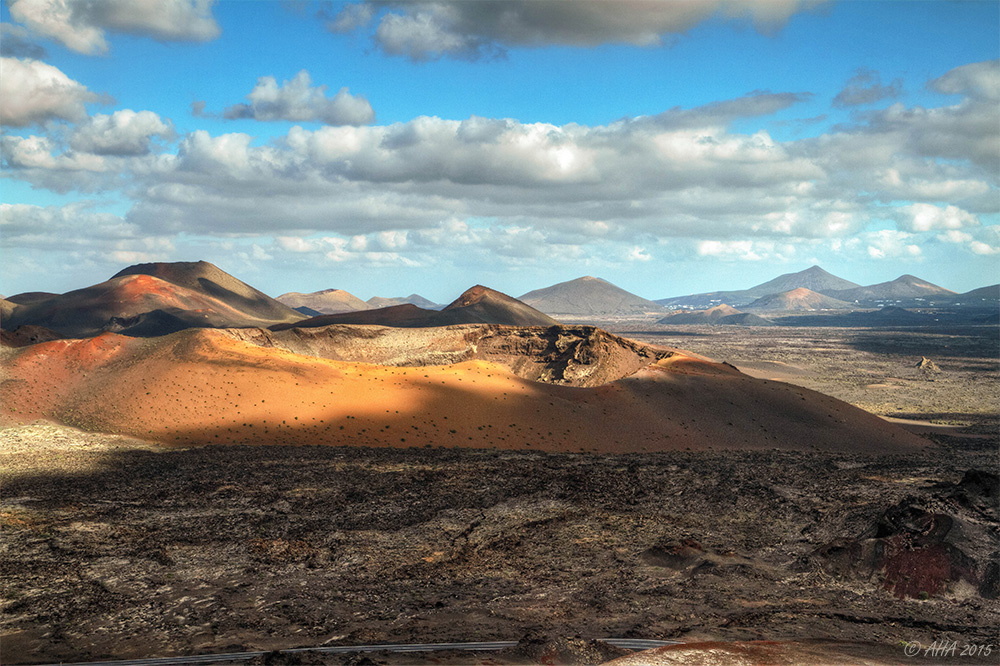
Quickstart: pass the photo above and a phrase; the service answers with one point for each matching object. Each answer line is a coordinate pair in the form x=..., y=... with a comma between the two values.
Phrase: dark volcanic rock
x=22, y=336
x=927, y=546
x=537, y=647
x=573, y=355
x=432, y=545
x=159, y=322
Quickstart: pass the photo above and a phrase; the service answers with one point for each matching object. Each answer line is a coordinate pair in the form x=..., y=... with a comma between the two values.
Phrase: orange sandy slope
x=202, y=386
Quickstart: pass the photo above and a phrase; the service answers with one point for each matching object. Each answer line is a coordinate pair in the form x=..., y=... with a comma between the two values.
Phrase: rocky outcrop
x=571, y=355
x=928, y=546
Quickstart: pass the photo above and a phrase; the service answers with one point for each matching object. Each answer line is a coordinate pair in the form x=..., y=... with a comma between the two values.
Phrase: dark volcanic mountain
x=813, y=278
x=892, y=316
x=481, y=305
x=328, y=301
x=982, y=296
x=206, y=278
x=797, y=300
x=155, y=299
x=903, y=288
x=588, y=296
x=478, y=305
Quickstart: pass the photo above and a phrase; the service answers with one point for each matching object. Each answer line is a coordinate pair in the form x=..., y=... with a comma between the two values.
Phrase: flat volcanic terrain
x=880, y=370
x=115, y=548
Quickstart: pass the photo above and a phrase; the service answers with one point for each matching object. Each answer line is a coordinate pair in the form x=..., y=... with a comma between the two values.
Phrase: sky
x=390, y=148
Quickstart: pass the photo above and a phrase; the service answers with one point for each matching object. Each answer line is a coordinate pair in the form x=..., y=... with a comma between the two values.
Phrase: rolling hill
x=588, y=296
x=983, y=295
x=720, y=315
x=744, y=319
x=412, y=299
x=328, y=301
x=29, y=297
x=800, y=299
x=709, y=316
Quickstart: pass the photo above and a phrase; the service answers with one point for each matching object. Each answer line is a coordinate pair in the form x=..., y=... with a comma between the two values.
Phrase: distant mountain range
x=335, y=301
x=815, y=279
x=905, y=287
x=588, y=296
x=159, y=298
x=328, y=301
x=981, y=296
x=905, y=290
x=478, y=305
x=149, y=300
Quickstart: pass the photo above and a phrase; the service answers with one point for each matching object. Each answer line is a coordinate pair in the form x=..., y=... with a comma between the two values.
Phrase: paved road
x=627, y=643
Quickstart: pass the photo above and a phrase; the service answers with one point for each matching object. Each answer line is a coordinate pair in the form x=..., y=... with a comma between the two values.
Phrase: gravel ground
x=114, y=548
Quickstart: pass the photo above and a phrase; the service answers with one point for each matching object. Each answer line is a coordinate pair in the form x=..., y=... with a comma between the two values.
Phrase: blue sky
x=667, y=147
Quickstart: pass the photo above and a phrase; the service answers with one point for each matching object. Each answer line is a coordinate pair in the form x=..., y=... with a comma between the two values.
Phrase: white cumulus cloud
x=81, y=25
x=32, y=91
x=890, y=243
x=298, y=101
x=124, y=132
x=927, y=217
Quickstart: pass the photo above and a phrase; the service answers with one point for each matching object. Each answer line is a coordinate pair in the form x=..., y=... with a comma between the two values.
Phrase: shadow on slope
x=201, y=387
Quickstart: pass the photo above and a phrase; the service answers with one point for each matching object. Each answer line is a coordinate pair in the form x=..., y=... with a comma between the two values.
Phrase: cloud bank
x=681, y=184
x=474, y=30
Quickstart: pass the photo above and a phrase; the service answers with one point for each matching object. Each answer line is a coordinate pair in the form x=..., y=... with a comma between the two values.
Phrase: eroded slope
x=572, y=355
x=205, y=386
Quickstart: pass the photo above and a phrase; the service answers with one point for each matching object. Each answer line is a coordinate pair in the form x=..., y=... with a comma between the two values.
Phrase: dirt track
x=113, y=549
